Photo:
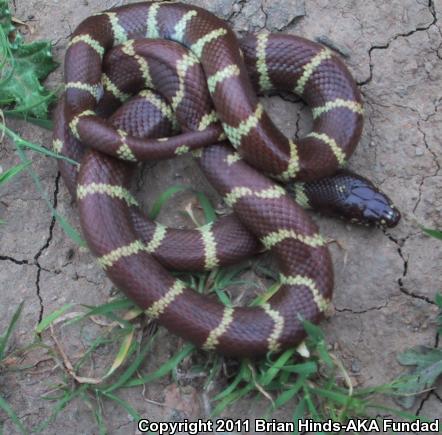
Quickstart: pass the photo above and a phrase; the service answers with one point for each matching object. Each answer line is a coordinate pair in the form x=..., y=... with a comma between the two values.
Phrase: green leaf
x=287, y=395
x=23, y=143
x=110, y=307
x=206, y=205
x=233, y=397
x=164, y=369
x=438, y=300
x=127, y=347
x=433, y=233
x=163, y=198
x=6, y=19
x=333, y=396
x=276, y=367
x=125, y=405
x=233, y=385
x=11, y=414
x=133, y=367
x=48, y=320
x=428, y=367
x=313, y=331
x=67, y=398
x=12, y=324
x=23, y=68
x=223, y=297
x=70, y=231
x=45, y=123
x=12, y=172
x=299, y=414
x=305, y=369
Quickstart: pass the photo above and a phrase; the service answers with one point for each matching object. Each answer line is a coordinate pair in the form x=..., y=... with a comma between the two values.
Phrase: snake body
x=207, y=83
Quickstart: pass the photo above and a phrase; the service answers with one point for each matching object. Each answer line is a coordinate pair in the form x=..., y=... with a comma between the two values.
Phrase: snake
x=154, y=80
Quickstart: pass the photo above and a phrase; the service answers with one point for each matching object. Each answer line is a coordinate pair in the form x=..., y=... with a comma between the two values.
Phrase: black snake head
x=366, y=204
x=350, y=197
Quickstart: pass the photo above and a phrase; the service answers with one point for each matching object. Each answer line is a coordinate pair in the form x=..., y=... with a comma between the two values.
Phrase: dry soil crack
x=400, y=244
x=14, y=260
x=386, y=46
x=44, y=247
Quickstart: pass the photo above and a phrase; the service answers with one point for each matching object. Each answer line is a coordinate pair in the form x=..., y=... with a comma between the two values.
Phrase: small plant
x=4, y=363
x=23, y=68
x=424, y=362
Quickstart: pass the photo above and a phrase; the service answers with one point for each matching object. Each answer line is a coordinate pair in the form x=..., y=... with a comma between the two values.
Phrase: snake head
x=350, y=197
x=363, y=203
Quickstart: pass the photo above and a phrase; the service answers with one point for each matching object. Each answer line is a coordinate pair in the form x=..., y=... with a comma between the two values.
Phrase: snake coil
x=205, y=86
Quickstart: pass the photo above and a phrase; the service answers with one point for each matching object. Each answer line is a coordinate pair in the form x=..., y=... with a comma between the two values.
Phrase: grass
x=308, y=381
x=22, y=68
x=4, y=356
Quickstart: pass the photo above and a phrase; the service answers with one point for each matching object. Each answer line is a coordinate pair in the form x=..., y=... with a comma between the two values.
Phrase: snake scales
x=205, y=83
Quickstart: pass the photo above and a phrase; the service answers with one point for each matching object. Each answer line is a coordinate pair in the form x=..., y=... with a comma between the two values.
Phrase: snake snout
x=381, y=212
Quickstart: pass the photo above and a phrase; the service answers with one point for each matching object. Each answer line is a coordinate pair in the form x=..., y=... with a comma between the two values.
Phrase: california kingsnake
x=136, y=252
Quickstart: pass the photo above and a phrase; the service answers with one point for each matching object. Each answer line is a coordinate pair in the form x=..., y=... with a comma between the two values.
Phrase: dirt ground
x=385, y=283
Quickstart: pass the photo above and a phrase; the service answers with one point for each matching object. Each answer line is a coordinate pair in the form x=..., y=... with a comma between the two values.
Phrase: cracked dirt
x=385, y=282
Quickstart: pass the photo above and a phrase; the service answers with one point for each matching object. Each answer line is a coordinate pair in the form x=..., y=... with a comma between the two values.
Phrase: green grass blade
x=96, y=411
x=12, y=324
x=99, y=417
x=264, y=297
x=164, y=369
x=163, y=198
x=107, y=310
x=128, y=373
x=223, y=297
x=22, y=143
x=12, y=172
x=438, y=300
x=130, y=410
x=48, y=320
x=110, y=307
x=307, y=368
x=311, y=406
x=45, y=151
x=314, y=331
x=126, y=349
x=44, y=123
x=276, y=367
x=7, y=409
x=240, y=376
x=333, y=396
x=206, y=205
x=68, y=229
x=299, y=414
x=231, y=398
x=287, y=395
x=433, y=233
x=60, y=405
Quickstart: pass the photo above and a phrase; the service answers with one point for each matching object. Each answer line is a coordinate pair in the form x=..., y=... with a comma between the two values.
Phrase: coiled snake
x=205, y=83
